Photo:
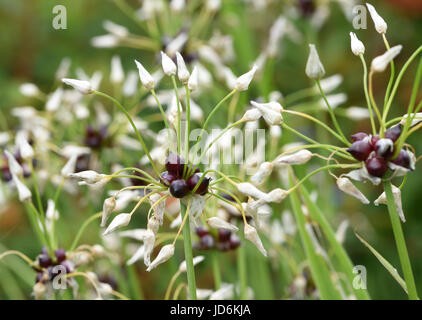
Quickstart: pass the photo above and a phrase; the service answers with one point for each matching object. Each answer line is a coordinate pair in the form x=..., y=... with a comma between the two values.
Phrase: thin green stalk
x=241, y=269
x=365, y=88
x=179, y=116
x=141, y=140
x=187, y=128
x=400, y=242
x=397, y=82
x=82, y=229
x=390, y=82
x=162, y=113
x=190, y=271
x=333, y=116
x=339, y=251
x=216, y=271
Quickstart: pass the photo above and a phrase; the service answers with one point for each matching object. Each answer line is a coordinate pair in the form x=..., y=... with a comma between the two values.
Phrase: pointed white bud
x=276, y=195
x=314, y=67
x=165, y=253
x=169, y=67
x=341, y=231
x=252, y=235
x=380, y=63
x=149, y=240
x=380, y=24
x=121, y=220
x=263, y=172
x=39, y=290
x=182, y=70
x=90, y=176
x=54, y=100
x=138, y=255
x=271, y=111
x=250, y=190
x=357, y=113
x=69, y=167
x=193, y=80
x=382, y=199
x=298, y=157
x=29, y=90
x=23, y=191
x=146, y=78
x=82, y=86
x=117, y=74
x=330, y=83
x=26, y=151
x=218, y=223
x=252, y=115
x=242, y=83
x=137, y=234
x=108, y=207
x=14, y=166
x=196, y=261
x=356, y=45
x=131, y=84
x=345, y=185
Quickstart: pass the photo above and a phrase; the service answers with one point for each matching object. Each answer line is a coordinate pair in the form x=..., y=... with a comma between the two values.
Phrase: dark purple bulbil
x=376, y=166
x=95, y=138
x=46, y=266
x=361, y=149
x=393, y=133
x=176, y=177
x=403, y=160
x=306, y=7
x=358, y=136
x=225, y=240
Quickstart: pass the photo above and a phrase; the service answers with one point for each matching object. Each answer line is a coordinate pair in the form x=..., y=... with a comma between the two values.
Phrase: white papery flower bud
x=380, y=24
x=341, y=231
x=165, y=253
x=169, y=67
x=105, y=41
x=196, y=261
x=25, y=149
x=252, y=115
x=314, y=67
x=252, y=235
x=108, y=207
x=382, y=199
x=417, y=118
x=29, y=90
x=193, y=80
x=334, y=100
x=137, y=234
x=121, y=220
x=345, y=185
x=115, y=29
x=357, y=113
x=182, y=70
x=250, y=190
x=298, y=157
x=177, y=5
x=39, y=290
x=23, y=191
x=330, y=83
x=263, y=172
x=54, y=100
x=153, y=224
x=82, y=86
x=242, y=83
x=146, y=78
x=14, y=166
x=131, y=84
x=276, y=195
x=51, y=212
x=356, y=45
x=149, y=240
x=277, y=30
x=219, y=223
x=197, y=205
x=176, y=44
x=90, y=176
x=380, y=63
x=138, y=255
x=271, y=111
x=117, y=74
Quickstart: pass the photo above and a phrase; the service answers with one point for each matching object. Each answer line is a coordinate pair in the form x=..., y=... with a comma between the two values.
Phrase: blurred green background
x=31, y=50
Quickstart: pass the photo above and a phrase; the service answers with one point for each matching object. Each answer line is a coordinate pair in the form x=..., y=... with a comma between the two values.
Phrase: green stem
x=82, y=229
x=390, y=82
x=365, y=88
x=141, y=140
x=216, y=271
x=400, y=242
x=179, y=114
x=190, y=271
x=333, y=116
x=241, y=269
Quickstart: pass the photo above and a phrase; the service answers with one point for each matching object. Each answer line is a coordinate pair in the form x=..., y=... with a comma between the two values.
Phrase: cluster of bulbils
x=224, y=240
x=177, y=179
x=377, y=152
x=48, y=267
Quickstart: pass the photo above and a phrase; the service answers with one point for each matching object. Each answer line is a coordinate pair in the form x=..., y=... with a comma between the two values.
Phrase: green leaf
x=385, y=263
